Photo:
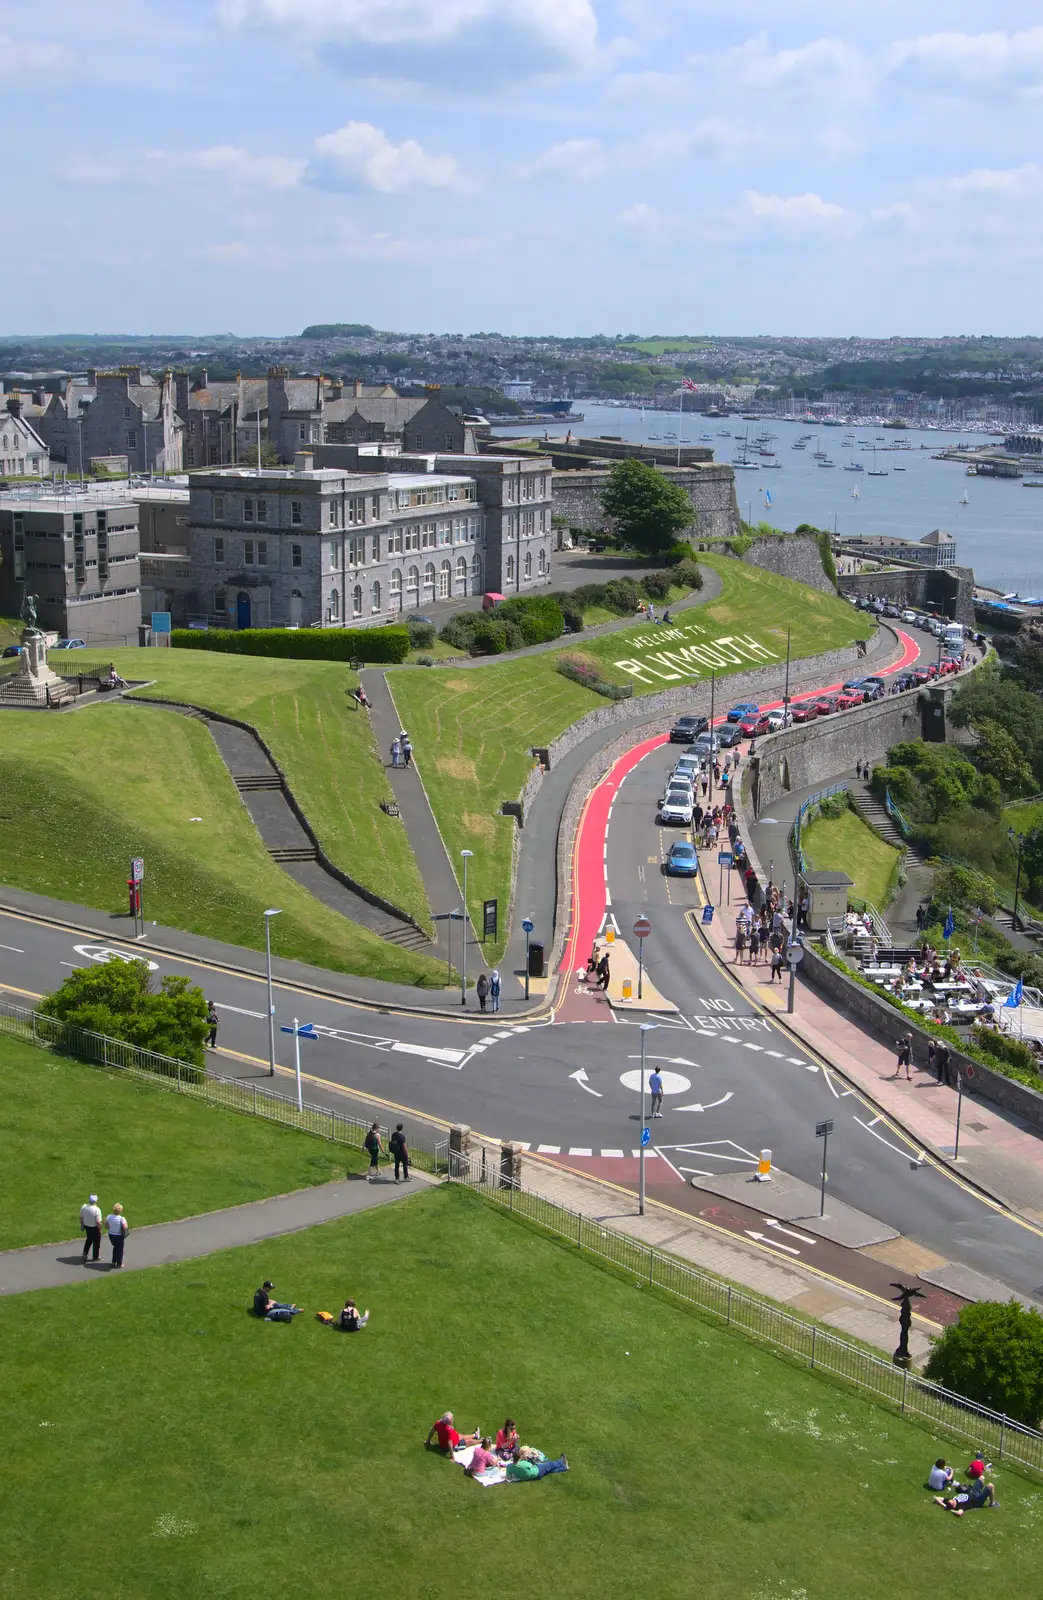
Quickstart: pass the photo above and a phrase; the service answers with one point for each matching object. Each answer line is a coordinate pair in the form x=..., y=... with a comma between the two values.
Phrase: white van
x=953, y=636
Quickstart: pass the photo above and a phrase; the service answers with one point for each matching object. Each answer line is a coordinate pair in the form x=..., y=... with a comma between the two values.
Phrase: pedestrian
x=942, y=1061
x=373, y=1144
x=90, y=1222
x=655, y=1089
x=494, y=989
x=932, y=1048
x=905, y=1056
x=858, y=769
x=481, y=989
x=396, y=753
x=705, y=786
x=399, y=1151
x=867, y=773
x=407, y=751
x=740, y=939
x=921, y=918
x=755, y=945
x=118, y=1228
x=212, y=1020
x=776, y=963
x=603, y=971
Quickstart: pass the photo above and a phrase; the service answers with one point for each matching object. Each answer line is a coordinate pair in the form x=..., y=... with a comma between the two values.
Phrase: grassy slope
x=846, y=844
x=473, y=729
x=70, y=1130
x=301, y=709
x=81, y=794
x=695, y=1456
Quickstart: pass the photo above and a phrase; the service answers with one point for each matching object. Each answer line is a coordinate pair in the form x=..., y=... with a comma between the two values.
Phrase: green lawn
x=158, y=1441
x=80, y=795
x=846, y=844
x=71, y=1130
x=326, y=749
x=473, y=730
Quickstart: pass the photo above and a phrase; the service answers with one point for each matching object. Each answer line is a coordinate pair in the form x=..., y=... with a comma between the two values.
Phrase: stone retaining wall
x=794, y=556
x=577, y=498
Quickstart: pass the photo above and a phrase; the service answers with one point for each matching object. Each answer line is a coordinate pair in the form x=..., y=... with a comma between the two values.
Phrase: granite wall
x=711, y=490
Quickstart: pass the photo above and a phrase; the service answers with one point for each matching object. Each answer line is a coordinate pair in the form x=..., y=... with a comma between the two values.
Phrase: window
x=428, y=536
x=396, y=589
x=248, y=510
x=334, y=605
x=219, y=507
x=418, y=441
x=356, y=600
x=248, y=552
x=220, y=601
x=413, y=537
x=529, y=489
x=510, y=569
x=19, y=549
x=376, y=547
x=296, y=555
x=461, y=575
x=334, y=513
x=132, y=438
x=429, y=581
x=528, y=523
x=219, y=551
x=374, y=502
x=357, y=551
x=445, y=532
x=334, y=554
x=295, y=513
x=262, y=552
x=413, y=584
x=103, y=551
x=528, y=564
x=102, y=521
x=374, y=597
x=450, y=442
x=262, y=511
x=445, y=581
x=303, y=431
x=476, y=573
x=190, y=456
x=543, y=562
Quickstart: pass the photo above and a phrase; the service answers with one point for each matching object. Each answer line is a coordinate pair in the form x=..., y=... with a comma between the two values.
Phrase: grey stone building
x=78, y=551
x=126, y=414
x=23, y=453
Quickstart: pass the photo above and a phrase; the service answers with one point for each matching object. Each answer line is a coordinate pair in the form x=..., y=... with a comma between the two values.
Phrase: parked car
x=687, y=729
x=891, y=611
x=825, y=704
x=753, y=725
x=873, y=689
x=919, y=676
x=805, y=711
x=70, y=644
x=846, y=700
x=12, y=650
x=727, y=735
x=745, y=708
x=707, y=743
x=678, y=784
x=677, y=806
x=777, y=720
x=683, y=860
x=905, y=680
x=908, y=616
x=688, y=766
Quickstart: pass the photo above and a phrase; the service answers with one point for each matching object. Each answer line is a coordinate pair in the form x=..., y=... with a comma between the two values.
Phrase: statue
x=28, y=613
x=904, y=1298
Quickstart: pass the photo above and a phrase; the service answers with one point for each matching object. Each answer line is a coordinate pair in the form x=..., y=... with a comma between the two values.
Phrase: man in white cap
x=90, y=1222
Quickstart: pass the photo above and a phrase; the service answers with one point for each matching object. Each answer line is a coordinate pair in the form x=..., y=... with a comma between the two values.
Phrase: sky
x=528, y=166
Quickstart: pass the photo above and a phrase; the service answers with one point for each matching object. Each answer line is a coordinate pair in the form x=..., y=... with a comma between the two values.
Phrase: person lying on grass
x=527, y=1463
x=448, y=1438
x=974, y=1497
x=483, y=1458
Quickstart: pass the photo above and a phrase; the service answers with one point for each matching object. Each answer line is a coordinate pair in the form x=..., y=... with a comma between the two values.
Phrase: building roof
x=938, y=536
x=88, y=497
x=424, y=480
x=392, y=413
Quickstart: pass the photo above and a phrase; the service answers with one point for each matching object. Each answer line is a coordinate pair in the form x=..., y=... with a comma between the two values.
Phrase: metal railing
x=905, y=1391
x=232, y=1094
x=896, y=816
x=813, y=801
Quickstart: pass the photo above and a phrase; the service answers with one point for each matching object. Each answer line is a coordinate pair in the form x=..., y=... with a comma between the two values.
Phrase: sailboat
x=855, y=495
x=965, y=499
x=875, y=471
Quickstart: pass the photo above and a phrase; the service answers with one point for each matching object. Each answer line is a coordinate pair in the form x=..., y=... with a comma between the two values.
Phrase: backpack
x=371, y=1142
x=324, y=1317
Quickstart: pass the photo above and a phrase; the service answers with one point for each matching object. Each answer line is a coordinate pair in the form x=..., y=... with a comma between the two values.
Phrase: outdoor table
x=880, y=972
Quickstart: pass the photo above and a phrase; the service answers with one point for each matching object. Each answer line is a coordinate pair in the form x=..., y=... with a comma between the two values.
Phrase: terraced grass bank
x=473, y=728
x=846, y=844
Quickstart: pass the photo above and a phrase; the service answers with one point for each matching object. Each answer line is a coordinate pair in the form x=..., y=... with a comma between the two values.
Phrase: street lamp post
x=785, y=692
x=466, y=854
x=1018, y=841
x=646, y=1027
x=710, y=752
x=269, y=914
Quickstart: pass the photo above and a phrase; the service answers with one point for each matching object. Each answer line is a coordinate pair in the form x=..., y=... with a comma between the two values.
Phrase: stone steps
x=294, y=853
x=251, y=782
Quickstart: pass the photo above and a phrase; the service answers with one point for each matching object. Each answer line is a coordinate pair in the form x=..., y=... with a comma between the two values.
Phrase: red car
x=805, y=711
x=825, y=704
x=854, y=697
x=750, y=726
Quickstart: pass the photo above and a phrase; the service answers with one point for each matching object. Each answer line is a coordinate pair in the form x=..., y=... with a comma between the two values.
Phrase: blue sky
x=533, y=166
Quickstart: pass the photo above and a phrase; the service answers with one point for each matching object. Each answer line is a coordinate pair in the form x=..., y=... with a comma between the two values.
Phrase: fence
x=994, y=1435
x=232, y=1094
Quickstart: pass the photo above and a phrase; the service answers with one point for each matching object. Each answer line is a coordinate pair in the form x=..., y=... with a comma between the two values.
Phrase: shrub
x=585, y=670
x=389, y=645
x=1002, y=1046
x=993, y=1354
x=573, y=618
x=825, y=551
x=656, y=585
x=681, y=551
x=957, y=885
x=621, y=595
x=539, y=617
x=117, y=999
x=425, y=661
x=421, y=634
x=687, y=574
x=459, y=630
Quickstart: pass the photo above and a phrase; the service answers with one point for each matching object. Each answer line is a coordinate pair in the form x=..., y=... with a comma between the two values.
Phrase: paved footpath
x=51, y=1266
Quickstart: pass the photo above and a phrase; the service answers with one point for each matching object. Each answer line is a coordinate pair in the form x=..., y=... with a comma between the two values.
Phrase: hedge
x=389, y=645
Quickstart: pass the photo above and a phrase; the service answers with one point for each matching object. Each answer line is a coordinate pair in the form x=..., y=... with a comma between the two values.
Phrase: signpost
x=724, y=859
x=137, y=873
x=794, y=955
x=823, y=1131
x=646, y=1133
x=707, y=913
x=489, y=918
x=642, y=928
x=959, y=1111
x=300, y=1030
x=528, y=925
x=161, y=627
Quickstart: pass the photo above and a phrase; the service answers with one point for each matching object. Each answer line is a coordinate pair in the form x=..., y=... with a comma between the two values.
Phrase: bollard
x=610, y=935
x=628, y=989
x=510, y=1164
x=764, y=1167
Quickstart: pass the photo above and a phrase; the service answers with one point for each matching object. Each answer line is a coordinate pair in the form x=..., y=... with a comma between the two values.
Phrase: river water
x=999, y=531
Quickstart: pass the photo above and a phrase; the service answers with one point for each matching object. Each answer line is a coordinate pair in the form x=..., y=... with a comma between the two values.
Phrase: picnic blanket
x=487, y=1479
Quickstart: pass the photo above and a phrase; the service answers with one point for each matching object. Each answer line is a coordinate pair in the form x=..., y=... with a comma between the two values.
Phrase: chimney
x=357, y=388
x=303, y=461
x=92, y=377
x=14, y=403
x=202, y=379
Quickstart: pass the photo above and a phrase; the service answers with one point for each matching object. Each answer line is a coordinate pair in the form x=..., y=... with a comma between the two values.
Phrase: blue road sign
x=707, y=913
x=528, y=924
x=724, y=858
x=305, y=1031
x=646, y=1136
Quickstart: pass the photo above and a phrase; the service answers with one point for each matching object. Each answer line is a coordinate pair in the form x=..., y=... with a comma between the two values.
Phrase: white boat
x=875, y=471
x=855, y=495
x=1032, y=483
x=965, y=499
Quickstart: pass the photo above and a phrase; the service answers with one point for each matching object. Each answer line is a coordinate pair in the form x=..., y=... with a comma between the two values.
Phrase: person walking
x=776, y=963
x=905, y=1056
x=407, y=750
x=921, y=918
x=603, y=971
x=494, y=989
x=399, y=1152
x=481, y=989
x=118, y=1228
x=90, y=1222
x=942, y=1061
x=372, y=1143
x=396, y=753
x=655, y=1089
x=212, y=1019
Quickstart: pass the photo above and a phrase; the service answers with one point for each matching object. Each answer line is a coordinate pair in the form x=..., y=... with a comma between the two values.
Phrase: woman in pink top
x=507, y=1438
x=482, y=1459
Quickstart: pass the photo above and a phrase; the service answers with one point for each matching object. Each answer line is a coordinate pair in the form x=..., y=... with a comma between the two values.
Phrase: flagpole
x=680, y=414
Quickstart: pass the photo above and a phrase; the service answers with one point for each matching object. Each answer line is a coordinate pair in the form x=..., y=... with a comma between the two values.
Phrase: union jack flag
x=686, y=383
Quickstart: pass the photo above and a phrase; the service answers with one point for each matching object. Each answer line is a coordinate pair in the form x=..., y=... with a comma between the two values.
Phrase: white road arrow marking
x=708, y=1107
x=582, y=1080
x=674, y=1061
x=442, y=1056
x=772, y=1222
x=774, y=1243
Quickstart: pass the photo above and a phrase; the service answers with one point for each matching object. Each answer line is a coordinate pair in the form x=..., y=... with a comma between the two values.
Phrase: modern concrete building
x=78, y=552
x=935, y=549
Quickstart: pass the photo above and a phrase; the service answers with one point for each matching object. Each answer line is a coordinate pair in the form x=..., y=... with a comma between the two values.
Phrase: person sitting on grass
x=273, y=1310
x=448, y=1438
x=523, y=1465
x=974, y=1496
x=482, y=1459
x=351, y=1319
x=507, y=1438
x=941, y=1476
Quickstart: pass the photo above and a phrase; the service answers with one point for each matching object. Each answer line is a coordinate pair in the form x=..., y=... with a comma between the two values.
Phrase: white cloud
x=360, y=156
x=955, y=62
x=240, y=167
x=574, y=158
x=797, y=211
x=19, y=57
x=1010, y=183
x=755, y=65
x=465, y=41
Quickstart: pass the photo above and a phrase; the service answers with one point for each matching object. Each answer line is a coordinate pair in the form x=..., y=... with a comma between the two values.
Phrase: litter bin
x=536, y=959
x=144, y=634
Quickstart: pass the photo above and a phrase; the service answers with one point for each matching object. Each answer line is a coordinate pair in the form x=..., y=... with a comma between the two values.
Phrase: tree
x=648, y=510
x=269, y=455
x=999, y=755
x=117, y=998
x=993, y=1354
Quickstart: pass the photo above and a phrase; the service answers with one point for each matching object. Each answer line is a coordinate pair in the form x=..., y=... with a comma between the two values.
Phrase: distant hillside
x=335, y=330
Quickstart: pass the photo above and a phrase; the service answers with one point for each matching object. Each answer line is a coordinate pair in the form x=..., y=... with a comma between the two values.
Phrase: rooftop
x=67, y=496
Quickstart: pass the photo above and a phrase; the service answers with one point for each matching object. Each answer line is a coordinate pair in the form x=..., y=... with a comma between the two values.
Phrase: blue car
x=746, y=709
x=682, y=862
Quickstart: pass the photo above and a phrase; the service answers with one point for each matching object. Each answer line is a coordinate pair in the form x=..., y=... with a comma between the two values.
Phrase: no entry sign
x=642, y=928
